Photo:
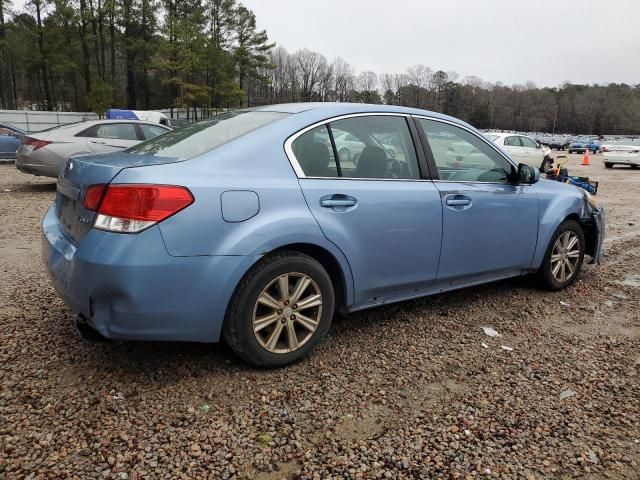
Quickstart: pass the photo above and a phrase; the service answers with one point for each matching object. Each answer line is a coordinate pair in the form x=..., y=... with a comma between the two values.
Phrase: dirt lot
x=406, y=391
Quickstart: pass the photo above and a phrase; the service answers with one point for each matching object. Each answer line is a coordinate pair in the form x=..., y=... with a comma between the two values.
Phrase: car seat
x=315, y=160
x=372, y=163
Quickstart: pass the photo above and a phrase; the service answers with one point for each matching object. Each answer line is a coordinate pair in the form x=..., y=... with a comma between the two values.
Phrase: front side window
x=204, y=136
x=527, y=142
x=460, y=156
x=116, y=131
x=376, y=147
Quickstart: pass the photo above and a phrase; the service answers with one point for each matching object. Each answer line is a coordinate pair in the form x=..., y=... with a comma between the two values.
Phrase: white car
x=622, y=157
x=46, y=153
x=522, y=148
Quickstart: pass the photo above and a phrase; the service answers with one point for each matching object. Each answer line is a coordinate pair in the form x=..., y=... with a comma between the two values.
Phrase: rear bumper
x=26, y=164
x=128, y=287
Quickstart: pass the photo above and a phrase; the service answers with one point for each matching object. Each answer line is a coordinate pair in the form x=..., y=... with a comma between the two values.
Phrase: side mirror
x=528, y=175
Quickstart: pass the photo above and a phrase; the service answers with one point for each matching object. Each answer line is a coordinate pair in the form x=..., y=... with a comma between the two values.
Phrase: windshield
x=198, y=138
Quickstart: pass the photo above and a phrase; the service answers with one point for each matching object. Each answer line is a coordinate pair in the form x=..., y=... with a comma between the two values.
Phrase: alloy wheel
x=565, y=256
x=287, y=313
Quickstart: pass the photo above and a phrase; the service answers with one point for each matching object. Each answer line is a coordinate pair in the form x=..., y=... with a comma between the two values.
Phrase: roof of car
x=332, y=109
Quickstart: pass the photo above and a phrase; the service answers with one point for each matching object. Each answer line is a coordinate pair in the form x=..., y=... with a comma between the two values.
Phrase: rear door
x=490, y=225
x=384, y=216
x=110, y=137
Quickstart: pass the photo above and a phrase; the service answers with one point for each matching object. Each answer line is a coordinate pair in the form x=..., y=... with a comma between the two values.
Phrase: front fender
x=557, y=203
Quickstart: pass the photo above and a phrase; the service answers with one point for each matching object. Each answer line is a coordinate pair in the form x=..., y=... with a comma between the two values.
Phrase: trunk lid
x=79, y=174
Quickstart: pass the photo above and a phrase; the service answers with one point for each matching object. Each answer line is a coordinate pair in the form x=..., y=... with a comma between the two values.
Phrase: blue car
x=10, y=138
x=250, y=226
x=582, y=145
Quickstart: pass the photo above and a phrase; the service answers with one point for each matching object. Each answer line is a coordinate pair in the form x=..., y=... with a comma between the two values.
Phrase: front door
x=375, y=207
x=490, y=225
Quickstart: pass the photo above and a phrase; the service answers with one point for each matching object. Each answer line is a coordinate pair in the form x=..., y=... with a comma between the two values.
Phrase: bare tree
x=309, y=69
x=343, y=78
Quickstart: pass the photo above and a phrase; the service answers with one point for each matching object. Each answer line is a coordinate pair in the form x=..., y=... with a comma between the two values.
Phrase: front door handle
x=338, y=202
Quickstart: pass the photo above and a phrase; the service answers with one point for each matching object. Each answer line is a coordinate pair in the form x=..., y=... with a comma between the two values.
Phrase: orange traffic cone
x=585, y=159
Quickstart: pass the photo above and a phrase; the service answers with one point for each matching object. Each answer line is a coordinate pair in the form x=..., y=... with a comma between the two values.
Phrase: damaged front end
x=592, y=220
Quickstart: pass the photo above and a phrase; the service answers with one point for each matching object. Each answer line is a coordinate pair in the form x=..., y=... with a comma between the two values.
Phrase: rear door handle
x=98, y=142
x=458, y=202
x=338, y=202
x=454, y=202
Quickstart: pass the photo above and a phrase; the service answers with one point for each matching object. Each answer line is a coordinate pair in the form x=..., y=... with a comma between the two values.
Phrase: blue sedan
x=10, y=137
x=251, y=226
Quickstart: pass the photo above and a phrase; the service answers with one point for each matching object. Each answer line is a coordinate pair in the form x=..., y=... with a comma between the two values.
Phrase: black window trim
x=431, y=159
x=422, y=169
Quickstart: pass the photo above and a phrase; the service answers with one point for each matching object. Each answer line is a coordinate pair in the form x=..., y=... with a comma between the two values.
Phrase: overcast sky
x=512, y=41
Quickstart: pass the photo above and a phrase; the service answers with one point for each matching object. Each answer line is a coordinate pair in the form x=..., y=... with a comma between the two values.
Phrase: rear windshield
x=491, y=137
x=201, y=137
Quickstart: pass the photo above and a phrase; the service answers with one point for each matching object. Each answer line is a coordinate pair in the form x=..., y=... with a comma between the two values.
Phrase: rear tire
x=264, y=324
x=563, y=260
x=608, y=165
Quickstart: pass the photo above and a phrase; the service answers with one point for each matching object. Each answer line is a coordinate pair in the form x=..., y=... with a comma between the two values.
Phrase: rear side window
x=376, y=147
x=315, y=154
x=117, y=131
x=152, y=131
x=512, y=142
x=201, y=137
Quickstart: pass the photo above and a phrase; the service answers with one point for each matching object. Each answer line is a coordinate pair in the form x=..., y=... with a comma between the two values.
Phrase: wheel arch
x=339, y=278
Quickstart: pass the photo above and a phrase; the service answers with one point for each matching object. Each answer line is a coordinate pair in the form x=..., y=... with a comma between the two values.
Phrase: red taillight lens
x=133, y=208
x=35, y=143
x=144, y=202
x=93, y=196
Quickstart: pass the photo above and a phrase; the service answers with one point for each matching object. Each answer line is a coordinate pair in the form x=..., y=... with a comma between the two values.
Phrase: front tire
x=608, y=165
x=280, y=311
x=564, y=257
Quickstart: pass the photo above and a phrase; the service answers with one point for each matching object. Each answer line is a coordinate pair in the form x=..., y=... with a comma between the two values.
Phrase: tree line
x=208, y=54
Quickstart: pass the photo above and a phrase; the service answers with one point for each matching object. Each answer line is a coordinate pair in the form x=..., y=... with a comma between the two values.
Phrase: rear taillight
x=133, y=208
x=35, y=143
x=93, y=196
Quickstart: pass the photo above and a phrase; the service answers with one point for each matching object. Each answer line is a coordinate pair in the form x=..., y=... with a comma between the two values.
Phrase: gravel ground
x=405, y=391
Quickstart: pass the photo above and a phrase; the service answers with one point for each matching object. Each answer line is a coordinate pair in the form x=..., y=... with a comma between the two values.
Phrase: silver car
x=45, y=153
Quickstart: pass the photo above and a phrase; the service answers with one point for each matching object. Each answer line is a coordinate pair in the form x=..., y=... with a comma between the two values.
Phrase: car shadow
x=148, y=362
x=29, y=187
